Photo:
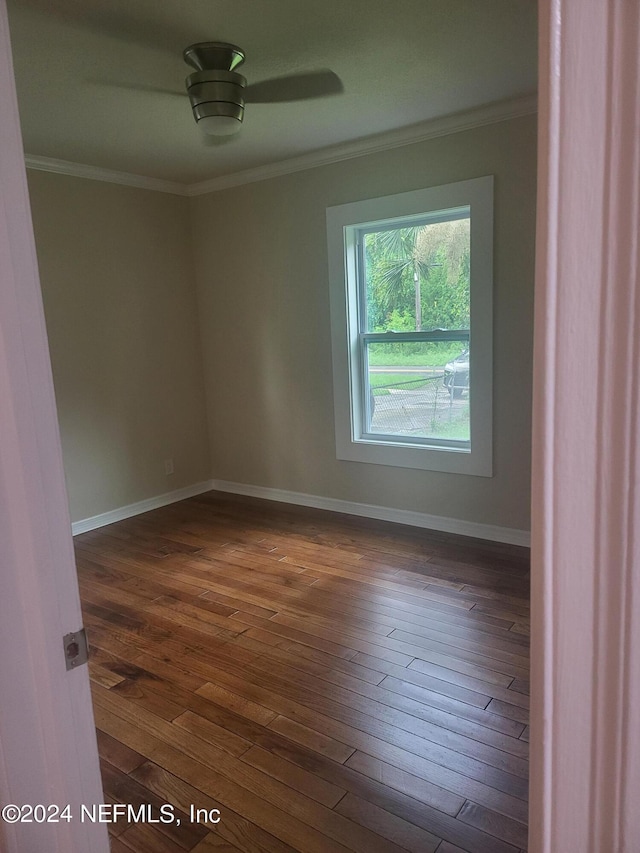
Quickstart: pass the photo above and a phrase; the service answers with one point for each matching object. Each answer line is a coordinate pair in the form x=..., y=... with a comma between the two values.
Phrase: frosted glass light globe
x=219, y=125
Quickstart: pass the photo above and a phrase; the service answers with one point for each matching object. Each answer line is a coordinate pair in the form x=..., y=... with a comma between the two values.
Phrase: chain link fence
x=421, y=407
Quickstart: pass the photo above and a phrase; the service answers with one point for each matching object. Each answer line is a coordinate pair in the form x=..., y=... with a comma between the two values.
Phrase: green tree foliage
x=418, y=278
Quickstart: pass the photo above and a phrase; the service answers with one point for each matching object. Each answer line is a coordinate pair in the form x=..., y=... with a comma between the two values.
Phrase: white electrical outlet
x=168, y=466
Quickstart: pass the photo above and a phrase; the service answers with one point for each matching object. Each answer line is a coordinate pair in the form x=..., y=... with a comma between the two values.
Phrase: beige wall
x=261, y=264
x=128, y=340
x=117, y=280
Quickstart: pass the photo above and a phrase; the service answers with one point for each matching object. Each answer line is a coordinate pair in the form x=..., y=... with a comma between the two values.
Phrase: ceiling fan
x=218, y=93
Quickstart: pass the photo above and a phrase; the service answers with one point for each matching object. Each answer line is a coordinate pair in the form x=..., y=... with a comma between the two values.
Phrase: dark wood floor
x=328, y=683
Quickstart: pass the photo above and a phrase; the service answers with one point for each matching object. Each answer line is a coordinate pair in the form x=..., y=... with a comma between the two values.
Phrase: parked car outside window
x=456, y=374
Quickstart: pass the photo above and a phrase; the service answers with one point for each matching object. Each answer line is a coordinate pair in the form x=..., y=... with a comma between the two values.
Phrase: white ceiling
x=401, y=62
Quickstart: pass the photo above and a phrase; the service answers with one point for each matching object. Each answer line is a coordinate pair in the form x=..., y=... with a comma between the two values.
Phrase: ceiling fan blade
x=140, y=87
x=295, y=87
x=133, y=26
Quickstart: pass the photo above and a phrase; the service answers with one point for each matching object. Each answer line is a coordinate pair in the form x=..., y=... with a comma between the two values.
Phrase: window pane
x=419, y=389
x=417, y=278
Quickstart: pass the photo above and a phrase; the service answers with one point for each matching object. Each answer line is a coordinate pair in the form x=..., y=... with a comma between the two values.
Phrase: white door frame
x=585, y=738
x=48, y=752
x=585, y=782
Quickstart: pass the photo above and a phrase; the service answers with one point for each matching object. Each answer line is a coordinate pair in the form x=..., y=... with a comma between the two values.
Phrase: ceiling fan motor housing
x=215, y=88
x=216, y=93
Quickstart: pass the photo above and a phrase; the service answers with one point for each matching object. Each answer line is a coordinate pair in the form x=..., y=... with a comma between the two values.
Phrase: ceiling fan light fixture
x=219, y=125
x=217, y=100
x=219, y=118
x=217, y=91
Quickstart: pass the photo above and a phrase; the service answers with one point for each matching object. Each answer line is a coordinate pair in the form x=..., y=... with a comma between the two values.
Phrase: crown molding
x=430, y=129
x=95, y=173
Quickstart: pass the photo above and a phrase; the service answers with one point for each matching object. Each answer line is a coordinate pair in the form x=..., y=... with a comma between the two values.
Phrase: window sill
x=451, y=460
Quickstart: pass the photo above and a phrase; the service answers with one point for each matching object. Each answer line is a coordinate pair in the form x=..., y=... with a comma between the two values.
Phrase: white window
x=411, y=316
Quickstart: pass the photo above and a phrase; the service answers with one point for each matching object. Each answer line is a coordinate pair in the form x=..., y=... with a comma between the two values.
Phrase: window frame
x=345, y=225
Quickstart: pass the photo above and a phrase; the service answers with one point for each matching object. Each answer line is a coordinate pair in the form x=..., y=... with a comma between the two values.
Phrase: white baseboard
x=138, y=508
x=492, y=532
x=508, y=535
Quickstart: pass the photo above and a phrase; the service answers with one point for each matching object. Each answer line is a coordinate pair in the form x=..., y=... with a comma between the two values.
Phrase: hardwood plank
x=149, y=699
x=419, y=702
x=314, y=740
x=436, y=685
x=407, y=610
x=342, y=577
x=290, y=594
x=213, y=843
x=237, y=773
x=506, y=709
x=388, y=825
x=103, y=676
x=329, y=683
x=329, y=662
x=481, y=717
x=520, y=686
x=489, y=592
x=288, y=597
x=239, y=705
x=492, y=658
x=499, y=801
x=117, y=846
x=126, y=567
x=345, y=645
x=512, y=612
x=399, y=753
x=473, y=683
x=467, y=637
x=272, y=573
x=295, y=777
x=234, y=830
x=169, y=607
x=494, y=824
x=441, y=667
x=102, y=637
x=221, y=728
x=127, y=790
x=428, y=793
x=143, y=838
x=213, y=723
x=400, y=820
x=213, y=734
x=117, y=827
x=419, y=606
x=146, y=667
x=270, y=818
x=125, y=630
x=418, y=719
x=331, y=727
x=283, y=677
x=238, y=604
x=117, y=754
x=367, y=787
x=368, y=630
x=445, y=847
